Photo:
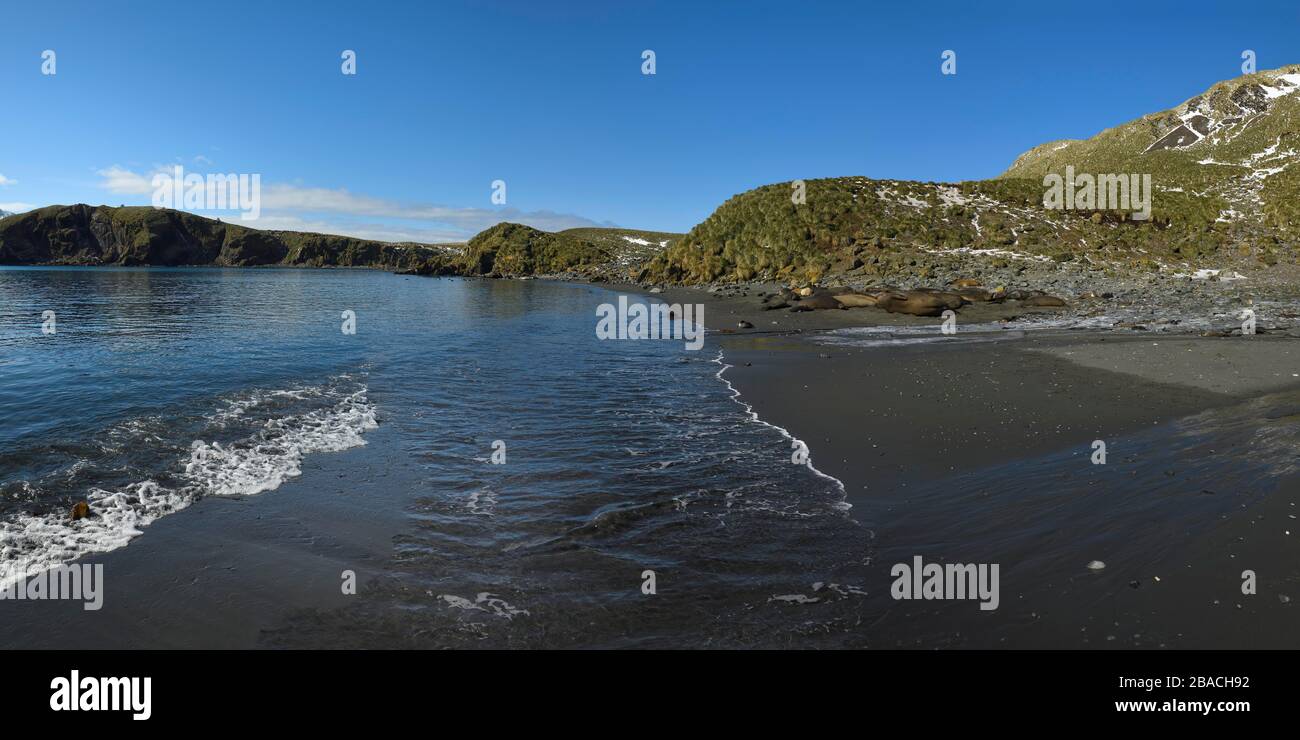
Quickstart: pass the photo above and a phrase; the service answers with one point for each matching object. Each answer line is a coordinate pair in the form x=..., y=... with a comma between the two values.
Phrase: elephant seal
x=856, y=300
x=950, y=300
x=818, y=301
x=914, y=303
x=953, y=300
x=975, y=295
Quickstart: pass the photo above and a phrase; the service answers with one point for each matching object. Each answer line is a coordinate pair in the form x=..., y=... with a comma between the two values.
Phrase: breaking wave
x=251, y=445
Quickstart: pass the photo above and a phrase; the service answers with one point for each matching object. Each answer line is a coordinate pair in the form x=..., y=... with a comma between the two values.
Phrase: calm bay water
x=161, y=387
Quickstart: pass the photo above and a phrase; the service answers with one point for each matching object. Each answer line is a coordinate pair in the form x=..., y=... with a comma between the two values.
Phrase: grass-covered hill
x=1225, y=155
x=627, y=247
x=618, y=238
x=895, y=228
x=513, y=250
x=1220, y=167
x=101, y=235
x=516, y=250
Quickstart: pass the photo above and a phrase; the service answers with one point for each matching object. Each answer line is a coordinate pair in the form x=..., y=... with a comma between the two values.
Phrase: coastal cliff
x=102, y=235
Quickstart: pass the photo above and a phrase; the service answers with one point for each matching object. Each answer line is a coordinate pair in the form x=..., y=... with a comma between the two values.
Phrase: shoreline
x=927, y=435
x=925, y=460
x=757, y=419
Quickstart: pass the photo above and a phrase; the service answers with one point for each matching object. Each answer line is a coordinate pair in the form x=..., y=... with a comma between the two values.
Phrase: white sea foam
x=753, y=416
x=262, y=462
x=898, y=336
x=236, y=408
x=32, y=544
x=274, y=454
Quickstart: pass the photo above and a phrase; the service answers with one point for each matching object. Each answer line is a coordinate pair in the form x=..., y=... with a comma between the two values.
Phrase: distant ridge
x=142, y=235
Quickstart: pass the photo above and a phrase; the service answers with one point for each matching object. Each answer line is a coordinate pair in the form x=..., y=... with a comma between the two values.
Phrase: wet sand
x=980, y=451
x=957, y=451
x=885, y=417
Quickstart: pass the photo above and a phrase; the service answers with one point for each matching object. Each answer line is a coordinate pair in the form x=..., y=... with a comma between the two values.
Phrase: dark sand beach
x=980, y=452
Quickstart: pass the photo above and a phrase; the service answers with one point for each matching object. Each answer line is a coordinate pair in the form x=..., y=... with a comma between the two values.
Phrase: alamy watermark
x=1098, y=193
x=94, y=694
x=213, y=192
x=651, y=321
x=79, y=582
x=921, y=580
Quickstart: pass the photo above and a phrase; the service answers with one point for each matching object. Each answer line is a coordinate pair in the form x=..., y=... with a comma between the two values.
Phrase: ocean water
x=161, y=387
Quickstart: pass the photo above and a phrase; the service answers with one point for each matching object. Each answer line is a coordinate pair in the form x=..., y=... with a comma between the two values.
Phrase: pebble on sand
x=1096, y=565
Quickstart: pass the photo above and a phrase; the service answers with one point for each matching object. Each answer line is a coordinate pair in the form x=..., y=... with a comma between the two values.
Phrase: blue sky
x=549, y=97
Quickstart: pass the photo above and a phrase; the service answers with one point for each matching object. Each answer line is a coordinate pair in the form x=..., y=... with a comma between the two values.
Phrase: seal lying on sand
x=818, y=301
x=977, y=295
x=856, y=300
x=950, y=300
x=914, y=303
x=776, y=300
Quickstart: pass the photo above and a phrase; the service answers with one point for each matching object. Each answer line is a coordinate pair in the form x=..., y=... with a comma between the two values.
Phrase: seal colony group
x=916, y=302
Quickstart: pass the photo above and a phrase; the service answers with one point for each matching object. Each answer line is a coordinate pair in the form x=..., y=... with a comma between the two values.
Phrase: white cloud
x=6, y=181
x=125, y=182
x=16, y=207
x=383, y=232
x=338, y=211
